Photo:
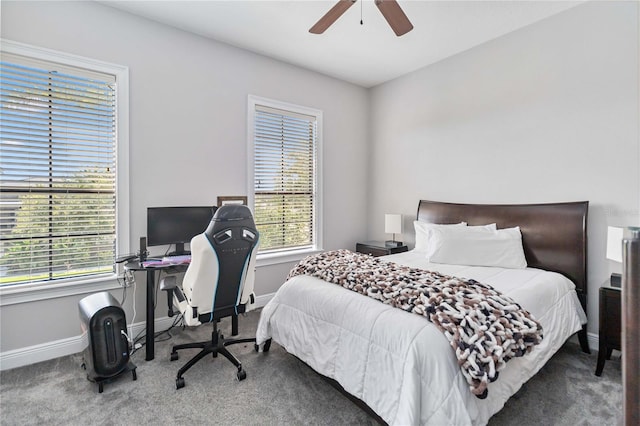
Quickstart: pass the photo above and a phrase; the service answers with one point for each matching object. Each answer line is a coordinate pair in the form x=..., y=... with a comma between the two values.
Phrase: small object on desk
x=143, y=249
x=167, y=261
x=379, y=248
x=178, y=259
x=153, y=263
x=610, y=332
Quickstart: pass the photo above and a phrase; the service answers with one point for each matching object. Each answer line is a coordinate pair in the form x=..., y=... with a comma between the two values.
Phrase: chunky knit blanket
x=484, y=327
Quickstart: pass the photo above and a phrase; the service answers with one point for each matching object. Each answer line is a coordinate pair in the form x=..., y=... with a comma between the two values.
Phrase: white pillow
x=465, y=230
x=422, y=232
x=477, y=247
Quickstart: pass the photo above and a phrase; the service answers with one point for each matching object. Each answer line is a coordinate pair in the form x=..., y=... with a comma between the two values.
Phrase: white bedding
x=399, y=363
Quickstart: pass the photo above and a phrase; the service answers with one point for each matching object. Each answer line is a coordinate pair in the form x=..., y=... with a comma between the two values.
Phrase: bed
x=398, y=363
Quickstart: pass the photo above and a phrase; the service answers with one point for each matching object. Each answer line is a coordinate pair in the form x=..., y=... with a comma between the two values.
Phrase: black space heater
x=107, y=354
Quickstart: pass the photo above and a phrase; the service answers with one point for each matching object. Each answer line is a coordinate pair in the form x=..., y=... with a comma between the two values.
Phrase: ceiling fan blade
x=331, y=16
x=394, y=15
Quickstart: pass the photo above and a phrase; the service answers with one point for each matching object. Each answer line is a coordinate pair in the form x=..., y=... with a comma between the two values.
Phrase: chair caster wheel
x=100, y=387
x=134, y=375
x=241, y=375
x=179, y=383
x=174, y=356
x=256, y=347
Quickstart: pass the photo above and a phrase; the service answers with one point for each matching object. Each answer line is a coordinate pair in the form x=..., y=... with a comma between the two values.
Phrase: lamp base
x=390, y=243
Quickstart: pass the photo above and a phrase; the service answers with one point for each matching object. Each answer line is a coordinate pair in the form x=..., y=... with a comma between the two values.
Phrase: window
x=284, y=146
x=59, y=177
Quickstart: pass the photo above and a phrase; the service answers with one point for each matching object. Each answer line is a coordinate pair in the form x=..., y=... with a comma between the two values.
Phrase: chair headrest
x=232, y=212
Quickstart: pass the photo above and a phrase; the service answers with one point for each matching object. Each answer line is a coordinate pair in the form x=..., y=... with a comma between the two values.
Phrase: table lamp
x=393, y=225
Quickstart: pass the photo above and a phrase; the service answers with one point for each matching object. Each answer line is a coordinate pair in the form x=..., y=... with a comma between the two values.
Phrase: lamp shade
x=393, y=223
x=614, y=243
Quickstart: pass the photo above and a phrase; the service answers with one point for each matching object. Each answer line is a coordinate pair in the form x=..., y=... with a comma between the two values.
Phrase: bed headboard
x=554, y=236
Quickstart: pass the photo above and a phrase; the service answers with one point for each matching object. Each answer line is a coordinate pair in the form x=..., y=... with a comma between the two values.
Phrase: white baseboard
x=71, y=345
x=261, y=301
x=55, y=349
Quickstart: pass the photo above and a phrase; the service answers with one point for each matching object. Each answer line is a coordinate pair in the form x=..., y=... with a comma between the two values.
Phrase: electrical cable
x=124, y=294
x=134, y=309
x=140, y=336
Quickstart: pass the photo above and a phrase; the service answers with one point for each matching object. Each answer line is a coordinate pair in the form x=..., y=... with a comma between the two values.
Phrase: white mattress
x=399, y=363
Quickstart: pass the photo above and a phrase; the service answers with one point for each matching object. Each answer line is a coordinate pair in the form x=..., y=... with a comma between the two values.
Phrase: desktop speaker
x=143, y=249
x=107, y=352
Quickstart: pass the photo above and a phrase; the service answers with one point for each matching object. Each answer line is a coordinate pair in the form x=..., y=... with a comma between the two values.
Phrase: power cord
x=133, y=344
x=139, y=339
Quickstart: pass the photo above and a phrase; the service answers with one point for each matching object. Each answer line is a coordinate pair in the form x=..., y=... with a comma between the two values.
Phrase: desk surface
x=154, y=264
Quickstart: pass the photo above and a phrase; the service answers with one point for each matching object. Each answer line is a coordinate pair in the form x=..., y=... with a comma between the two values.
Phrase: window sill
x=25, y=293
x=288, y=256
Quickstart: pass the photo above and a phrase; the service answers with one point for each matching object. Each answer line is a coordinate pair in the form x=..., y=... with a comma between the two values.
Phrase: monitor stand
x=179, y=251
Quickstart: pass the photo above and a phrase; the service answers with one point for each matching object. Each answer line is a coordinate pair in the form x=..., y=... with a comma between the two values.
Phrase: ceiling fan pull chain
x=361, y=12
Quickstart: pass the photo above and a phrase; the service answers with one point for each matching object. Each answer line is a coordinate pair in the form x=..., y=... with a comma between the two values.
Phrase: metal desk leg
x=149, y=338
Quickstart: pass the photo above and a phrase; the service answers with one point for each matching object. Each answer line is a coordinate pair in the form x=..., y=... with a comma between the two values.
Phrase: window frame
x=27, y=292
x=293, y=254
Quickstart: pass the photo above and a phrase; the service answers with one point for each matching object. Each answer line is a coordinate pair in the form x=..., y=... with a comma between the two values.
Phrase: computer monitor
x=176, y=225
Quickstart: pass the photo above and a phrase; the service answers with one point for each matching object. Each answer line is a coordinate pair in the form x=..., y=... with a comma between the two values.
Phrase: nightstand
x=378, y=248
x=610, y=329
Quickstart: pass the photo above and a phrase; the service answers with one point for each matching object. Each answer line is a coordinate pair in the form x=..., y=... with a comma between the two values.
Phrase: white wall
x=188, y=130
x=548, y=113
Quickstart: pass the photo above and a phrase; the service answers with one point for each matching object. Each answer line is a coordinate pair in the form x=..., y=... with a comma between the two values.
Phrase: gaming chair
x=218, y=282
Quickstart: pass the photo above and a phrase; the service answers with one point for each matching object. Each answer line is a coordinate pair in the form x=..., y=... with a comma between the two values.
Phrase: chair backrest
x=219, y=280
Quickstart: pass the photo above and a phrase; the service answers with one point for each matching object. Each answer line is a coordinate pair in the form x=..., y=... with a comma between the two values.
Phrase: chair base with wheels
x=217, y=345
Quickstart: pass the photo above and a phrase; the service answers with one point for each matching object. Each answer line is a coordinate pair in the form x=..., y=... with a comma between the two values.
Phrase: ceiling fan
x=390, y=9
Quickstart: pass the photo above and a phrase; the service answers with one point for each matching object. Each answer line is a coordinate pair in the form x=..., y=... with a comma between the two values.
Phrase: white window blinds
x=285, y=178
x=57, y=171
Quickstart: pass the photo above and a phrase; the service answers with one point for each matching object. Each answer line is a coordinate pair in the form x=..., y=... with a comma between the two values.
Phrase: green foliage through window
x=57, y=172
x=285, y=178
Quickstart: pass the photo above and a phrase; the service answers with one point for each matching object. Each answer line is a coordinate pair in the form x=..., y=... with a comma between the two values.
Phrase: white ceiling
x=367, y=54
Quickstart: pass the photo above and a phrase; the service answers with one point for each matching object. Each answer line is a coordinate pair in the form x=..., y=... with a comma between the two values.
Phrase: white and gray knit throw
x=484, y=327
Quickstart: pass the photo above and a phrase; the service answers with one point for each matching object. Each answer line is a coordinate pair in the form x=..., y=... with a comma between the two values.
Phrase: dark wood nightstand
x=378, y=248
x=609, y=335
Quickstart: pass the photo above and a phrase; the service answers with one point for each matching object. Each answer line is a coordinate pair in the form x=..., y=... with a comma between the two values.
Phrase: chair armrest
x=168, y=283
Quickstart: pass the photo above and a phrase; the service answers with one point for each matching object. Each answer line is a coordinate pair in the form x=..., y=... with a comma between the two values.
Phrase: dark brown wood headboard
x=554, y=236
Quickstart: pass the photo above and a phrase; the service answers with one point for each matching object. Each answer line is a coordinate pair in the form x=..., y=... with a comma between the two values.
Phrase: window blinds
x=284, y=178
x=57, y=171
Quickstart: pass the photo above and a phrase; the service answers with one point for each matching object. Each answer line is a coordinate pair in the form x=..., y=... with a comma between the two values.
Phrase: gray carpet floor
x=279, y=390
